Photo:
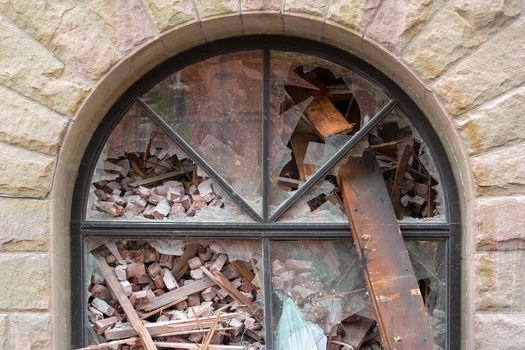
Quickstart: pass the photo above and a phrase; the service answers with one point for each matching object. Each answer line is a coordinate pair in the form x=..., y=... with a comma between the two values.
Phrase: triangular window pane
x=415, y=193
x=216, y=106
x=142, y=175
x=315, y=108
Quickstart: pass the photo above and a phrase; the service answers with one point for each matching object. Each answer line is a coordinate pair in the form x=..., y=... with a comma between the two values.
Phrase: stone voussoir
x=26, y=280
x=214, y=8
x=29, y=68
x=28, y=124
x=487, y=73
x=494, y=124
x=169, y=14
x=354, y=15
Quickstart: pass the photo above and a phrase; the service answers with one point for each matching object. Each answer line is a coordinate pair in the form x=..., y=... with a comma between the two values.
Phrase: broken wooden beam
x=126, y=305
x=401, y=316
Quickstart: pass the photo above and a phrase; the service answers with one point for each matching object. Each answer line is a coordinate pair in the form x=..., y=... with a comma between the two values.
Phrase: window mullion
x=266, y=134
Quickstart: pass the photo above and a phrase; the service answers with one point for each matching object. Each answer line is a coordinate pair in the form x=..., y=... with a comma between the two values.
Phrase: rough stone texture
x=314, y=8
x=25, y=278
x=460, y=27
x=500, y=172
x=64, y=28
x=171, y=13
x=24, y=173
x=261, y=5
x=478, y=127
x=500, y=223
x=500, y=281
x=396, y=22
x=29, y=124
x=32, y=70
x=24, y=225
x=492, y=70
x=499, y=331
x=214, y=8
x=30, y=332
x=355, y=15
x=3, y=332
x=127, y=22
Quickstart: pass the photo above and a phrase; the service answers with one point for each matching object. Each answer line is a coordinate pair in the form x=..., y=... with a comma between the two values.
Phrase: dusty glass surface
x=320, y=299
x=185, y=290
x=315, y=108
x=409, y=173
x=142, y=175
x=216, y=106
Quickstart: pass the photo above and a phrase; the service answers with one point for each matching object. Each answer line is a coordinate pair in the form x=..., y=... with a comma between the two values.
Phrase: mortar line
x=502, y=29
x=376, y=12
x=29, y=99
x=151, y=18
x=495, y=149
x=75, y=72
x=423, y=28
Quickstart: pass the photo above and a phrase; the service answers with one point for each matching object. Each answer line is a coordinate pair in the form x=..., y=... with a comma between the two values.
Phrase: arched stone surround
x=64, y=64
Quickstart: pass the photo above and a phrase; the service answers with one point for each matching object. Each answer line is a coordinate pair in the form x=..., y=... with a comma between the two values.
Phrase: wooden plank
x=195, y=287
x=401, y=316
x=116, y=289
x=158, y=178
x=300, y=143
x=164, y=327
x=225, y=283
x=181, y=266
x=111, y=344
x=191, y=346
x=326, y=119
x=402, y=164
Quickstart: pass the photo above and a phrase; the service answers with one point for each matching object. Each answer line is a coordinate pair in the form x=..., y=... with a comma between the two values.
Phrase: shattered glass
x=216, y=106
x=315, y=108
x=142, y=175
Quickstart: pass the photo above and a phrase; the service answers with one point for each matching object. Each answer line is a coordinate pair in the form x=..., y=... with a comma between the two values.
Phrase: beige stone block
x=215, y=8
x=30, y=331
x=314, y=8
x=499, y=331
x=500, y=223
x=221, y=27
x=171, y=13
x=127, y=22
x=355, y=15
x=262, y=23
x=24, y=225
x=24, y=173
x=457, y=30
x=303, y=26
x=29, y=124
x=26, y=280
x=261, y=6
x=489, y=72
x=65, y=29
x=32, y=70
x=3, y=332
x=499, y=281
x=497, y=123
x=396, y=22
x=500, y=172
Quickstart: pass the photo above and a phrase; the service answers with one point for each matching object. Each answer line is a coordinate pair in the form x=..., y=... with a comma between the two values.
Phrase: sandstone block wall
x=64, y=62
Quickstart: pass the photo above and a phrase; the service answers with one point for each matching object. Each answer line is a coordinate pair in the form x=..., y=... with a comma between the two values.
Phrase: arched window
x=224, y=159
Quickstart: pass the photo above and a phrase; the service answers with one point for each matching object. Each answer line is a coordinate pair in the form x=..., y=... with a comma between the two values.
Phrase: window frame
x=448, y=231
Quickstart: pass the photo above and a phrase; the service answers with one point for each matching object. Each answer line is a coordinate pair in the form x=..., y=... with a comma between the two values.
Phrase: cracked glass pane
x=186, y=291
x=404, y=160
x=142, y=175
x=315, y=108
x=320, y=299
x=216, y=106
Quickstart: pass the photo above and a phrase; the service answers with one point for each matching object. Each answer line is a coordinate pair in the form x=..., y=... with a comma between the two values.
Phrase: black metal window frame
x=264, y=228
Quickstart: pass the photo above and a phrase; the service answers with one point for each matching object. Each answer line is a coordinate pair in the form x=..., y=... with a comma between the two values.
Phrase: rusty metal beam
x=401, y=316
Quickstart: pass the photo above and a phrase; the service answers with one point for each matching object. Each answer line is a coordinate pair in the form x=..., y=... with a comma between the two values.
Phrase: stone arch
x=151, y=53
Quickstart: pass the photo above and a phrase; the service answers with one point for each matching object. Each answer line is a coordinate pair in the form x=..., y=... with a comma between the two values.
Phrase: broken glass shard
x=142, y=175
x=216, y=106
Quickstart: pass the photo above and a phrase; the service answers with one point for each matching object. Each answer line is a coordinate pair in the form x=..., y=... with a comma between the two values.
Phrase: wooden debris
x=380, y=246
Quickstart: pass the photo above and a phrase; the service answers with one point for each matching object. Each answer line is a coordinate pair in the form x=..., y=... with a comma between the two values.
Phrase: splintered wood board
x=401, y=316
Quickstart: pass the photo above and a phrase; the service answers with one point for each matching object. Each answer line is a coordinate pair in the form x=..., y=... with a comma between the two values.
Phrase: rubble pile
x=187, y=300
x=153, y=183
